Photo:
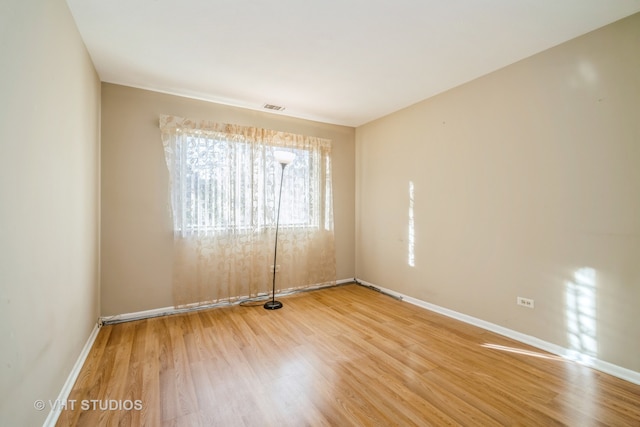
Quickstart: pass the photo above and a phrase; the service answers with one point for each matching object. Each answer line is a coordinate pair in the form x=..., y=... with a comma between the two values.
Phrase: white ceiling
x=336, y=61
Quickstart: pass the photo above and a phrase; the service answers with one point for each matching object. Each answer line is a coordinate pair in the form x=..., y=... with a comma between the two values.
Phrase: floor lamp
x=284, y=158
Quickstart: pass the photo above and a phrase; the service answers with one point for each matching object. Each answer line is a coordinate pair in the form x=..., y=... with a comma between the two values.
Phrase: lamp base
x=272, y=305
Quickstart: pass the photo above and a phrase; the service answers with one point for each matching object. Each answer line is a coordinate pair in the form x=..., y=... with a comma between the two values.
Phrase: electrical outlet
x=277, y=268
x=525, y=302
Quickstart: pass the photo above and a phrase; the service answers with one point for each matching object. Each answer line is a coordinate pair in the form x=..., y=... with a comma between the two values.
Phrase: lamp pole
x=284, y=158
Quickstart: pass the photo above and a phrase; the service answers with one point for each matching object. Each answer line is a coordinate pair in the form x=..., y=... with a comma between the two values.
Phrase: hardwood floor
x=335, y=357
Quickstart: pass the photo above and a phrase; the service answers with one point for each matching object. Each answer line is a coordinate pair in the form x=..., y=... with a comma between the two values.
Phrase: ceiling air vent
x=273, y=107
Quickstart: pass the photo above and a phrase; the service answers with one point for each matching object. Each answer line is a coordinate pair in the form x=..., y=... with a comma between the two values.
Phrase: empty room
x=321, y=213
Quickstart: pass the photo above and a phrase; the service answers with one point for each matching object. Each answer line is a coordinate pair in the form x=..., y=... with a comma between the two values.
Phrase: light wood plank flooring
x=336, y=357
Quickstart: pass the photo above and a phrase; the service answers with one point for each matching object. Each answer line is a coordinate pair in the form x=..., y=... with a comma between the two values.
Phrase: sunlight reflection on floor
x=523, y=352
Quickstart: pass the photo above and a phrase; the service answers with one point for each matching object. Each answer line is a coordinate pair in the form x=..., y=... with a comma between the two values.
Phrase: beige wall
x=49, y=171
x=527, y=183
x=136, y=226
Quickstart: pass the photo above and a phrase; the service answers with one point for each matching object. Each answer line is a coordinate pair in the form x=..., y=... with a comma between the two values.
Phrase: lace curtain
x=224, y=184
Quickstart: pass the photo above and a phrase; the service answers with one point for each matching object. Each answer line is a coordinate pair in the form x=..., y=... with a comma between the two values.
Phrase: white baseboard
x=52, y=418
x=600, y=365
x=137, y=315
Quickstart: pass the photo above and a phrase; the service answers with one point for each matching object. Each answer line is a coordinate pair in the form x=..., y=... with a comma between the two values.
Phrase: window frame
x=316, y=209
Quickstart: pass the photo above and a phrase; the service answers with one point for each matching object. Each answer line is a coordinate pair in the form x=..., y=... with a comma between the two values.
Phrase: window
x=225, y=183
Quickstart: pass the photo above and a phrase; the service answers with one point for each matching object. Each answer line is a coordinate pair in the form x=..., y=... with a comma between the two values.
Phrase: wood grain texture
x=336, y=357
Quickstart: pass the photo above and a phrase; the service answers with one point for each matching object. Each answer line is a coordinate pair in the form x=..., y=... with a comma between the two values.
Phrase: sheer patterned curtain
x=224, y=186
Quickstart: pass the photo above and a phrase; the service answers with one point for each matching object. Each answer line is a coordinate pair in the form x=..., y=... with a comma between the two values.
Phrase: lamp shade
x=284, y=157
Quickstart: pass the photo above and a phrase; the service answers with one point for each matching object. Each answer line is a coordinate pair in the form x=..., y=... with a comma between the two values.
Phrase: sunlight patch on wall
x=581, y=313
x=411, y=237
